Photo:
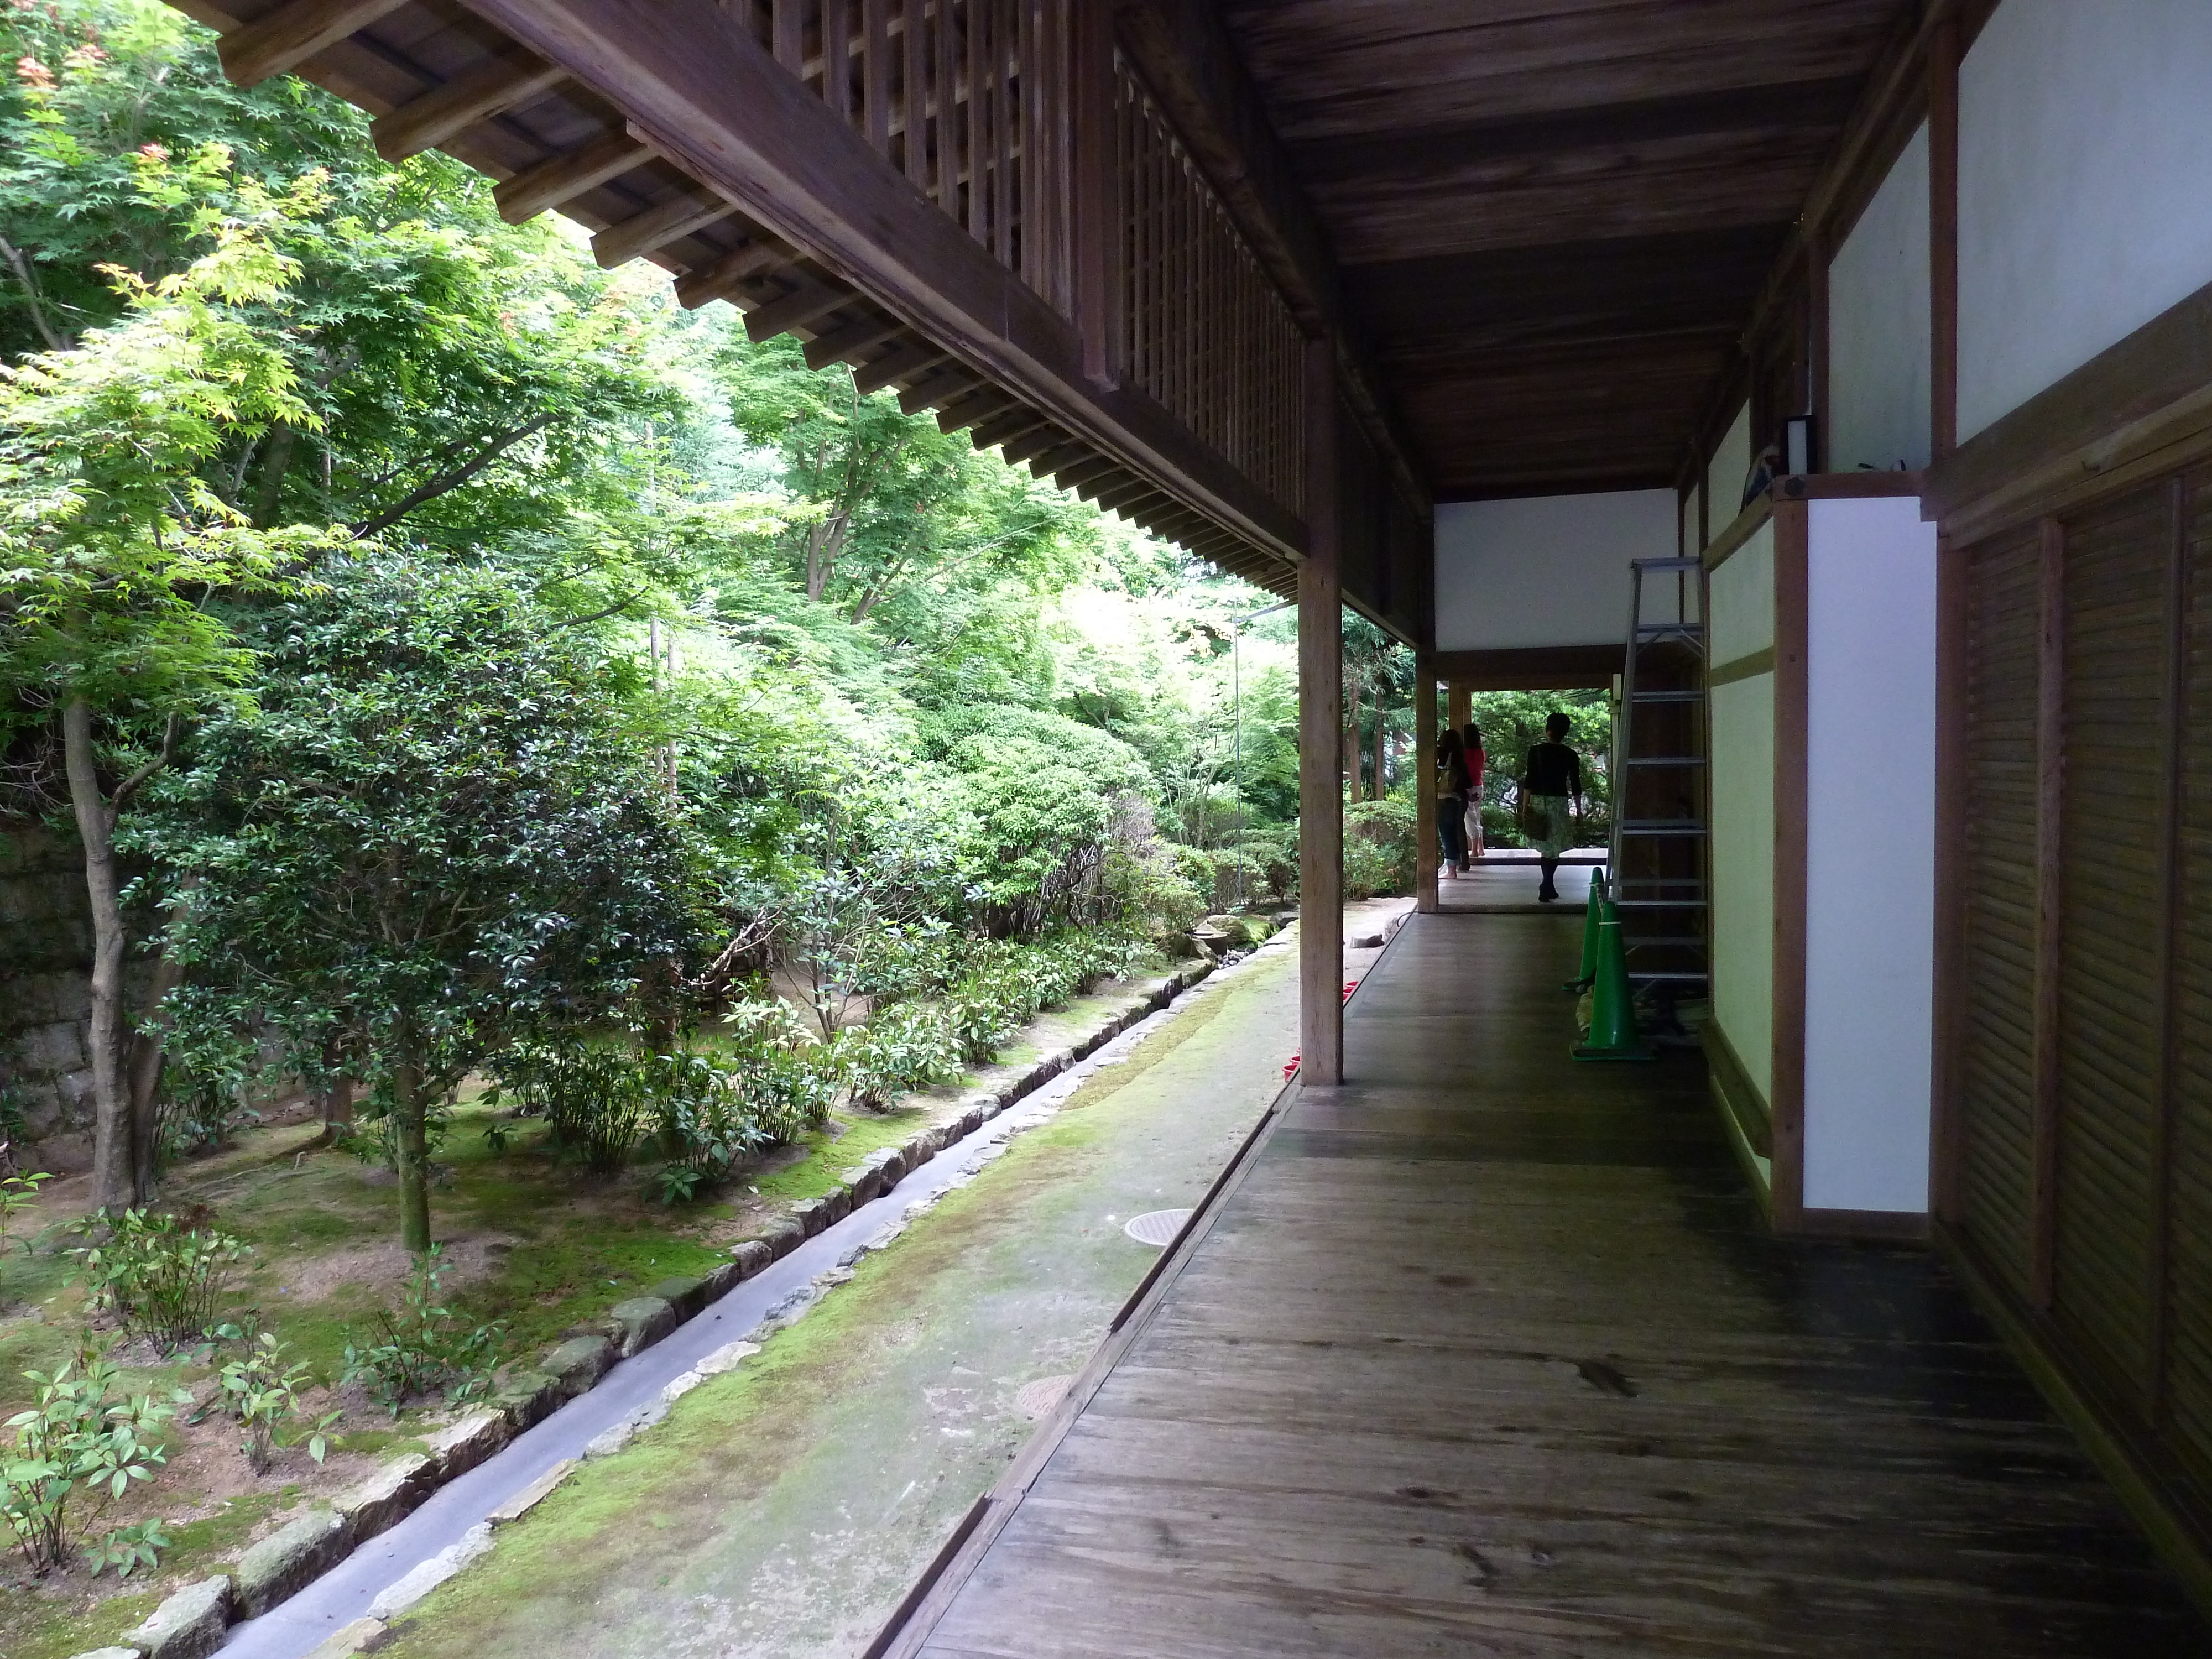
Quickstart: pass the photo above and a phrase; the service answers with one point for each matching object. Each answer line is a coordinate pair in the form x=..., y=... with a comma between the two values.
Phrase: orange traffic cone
x=1582, y=981
x=1612, y=1017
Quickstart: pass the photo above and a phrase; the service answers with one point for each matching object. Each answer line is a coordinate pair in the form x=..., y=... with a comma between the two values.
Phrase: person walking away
x=1551, y=798
x=1451, y=802
x=1477, y=762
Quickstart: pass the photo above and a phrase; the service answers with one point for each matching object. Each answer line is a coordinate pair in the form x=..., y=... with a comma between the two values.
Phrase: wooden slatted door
x=2110, y=972
x=2083, y=1187
x=2186, y=1401
x=1998, y=1029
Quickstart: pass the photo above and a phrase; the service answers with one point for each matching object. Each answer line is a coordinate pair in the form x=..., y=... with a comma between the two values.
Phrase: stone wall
x=46, y=965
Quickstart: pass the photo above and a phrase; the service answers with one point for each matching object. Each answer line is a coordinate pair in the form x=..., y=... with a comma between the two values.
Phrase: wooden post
x=1943, y=237
x=1093, y=184
x=2050, y=898
x=1425, y=794
x=1320, y=740
x=1463, y=707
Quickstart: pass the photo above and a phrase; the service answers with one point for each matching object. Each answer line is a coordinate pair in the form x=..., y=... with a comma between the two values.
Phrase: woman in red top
x=1471, y=751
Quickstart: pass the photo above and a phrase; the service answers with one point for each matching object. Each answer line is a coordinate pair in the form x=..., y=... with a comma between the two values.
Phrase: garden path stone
x=644, y=1321
x=387, y=1497
x=187, y=1625
x=468, y=1440
x=289, y=1558
x=110, y=1653
x=685, y=1293
x=360, y=1637
x=753, y=1256
x=580, y=1361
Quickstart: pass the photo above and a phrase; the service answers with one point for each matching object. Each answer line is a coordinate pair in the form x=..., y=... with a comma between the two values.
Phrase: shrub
x=84, y=1440
x=424, y=1346
x=17, y=1194
x=1378, y=847
x=900, y=1049
x=160, y=1278
x=261, y=1393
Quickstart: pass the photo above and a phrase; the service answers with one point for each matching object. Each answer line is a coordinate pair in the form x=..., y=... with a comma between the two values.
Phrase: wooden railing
x=1202, y=328
x=974, y=101
x=968, y=98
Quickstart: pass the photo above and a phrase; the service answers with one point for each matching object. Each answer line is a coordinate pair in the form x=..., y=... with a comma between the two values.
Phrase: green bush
x=424, y=1346
x=84, y=1440
x=259, y=1390
x=903, y=1048
x=1378, y=847
x=158, y=1278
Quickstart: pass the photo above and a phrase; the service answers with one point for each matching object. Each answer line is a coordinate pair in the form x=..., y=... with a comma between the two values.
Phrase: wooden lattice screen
x=1203, y=328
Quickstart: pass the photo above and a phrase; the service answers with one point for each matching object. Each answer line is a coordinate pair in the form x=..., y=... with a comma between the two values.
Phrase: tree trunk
x=145, y=1076
x=1351, y=744
x=412, y=1142
x=275, y=461
x=114, y=1183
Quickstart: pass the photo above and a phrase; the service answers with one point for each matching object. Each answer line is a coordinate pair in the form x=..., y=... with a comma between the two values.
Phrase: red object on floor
x=1350, y=986
x=1290, y=1066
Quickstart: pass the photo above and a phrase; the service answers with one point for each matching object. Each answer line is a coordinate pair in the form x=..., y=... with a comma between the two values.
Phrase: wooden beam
x=2049, y=915
x=563, y=177
x=1031, y=445
x=1081, y=472
x=1123, y=497
x=688, y=74
x=942, y=387
x=1320, y=738
x=807, y=300
x=1012, y=424
x=1530, y=668
x=978, y=405
x=1792, y=707
x=1944, y=239
x=292, y=34
x=724, y=276
x=1047, y=462
x=902, y=364
x=491, y=88
x=1426, y=854
x=671, y=220
x=859, y=334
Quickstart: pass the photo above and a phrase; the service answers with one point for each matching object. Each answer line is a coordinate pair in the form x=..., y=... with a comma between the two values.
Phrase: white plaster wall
x=2085, y=186
x=1727, y=470
x=1693, y=542
x=1870, y=854
x=1546, y=570
x=1878, y=325
x=1741, y=715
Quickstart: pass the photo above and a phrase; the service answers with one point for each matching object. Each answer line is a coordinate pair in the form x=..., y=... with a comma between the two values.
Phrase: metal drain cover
x=1034, y=1399
x=1156, y=1228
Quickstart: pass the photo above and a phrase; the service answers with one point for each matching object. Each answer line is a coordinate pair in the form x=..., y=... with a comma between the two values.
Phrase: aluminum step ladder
x=1659, y=783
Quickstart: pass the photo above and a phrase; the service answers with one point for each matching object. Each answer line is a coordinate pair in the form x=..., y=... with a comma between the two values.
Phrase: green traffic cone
x=1581, y=982
x=1613, y=1016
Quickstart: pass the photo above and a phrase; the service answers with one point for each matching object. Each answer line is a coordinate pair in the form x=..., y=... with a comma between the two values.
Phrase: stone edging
x=191, y=1623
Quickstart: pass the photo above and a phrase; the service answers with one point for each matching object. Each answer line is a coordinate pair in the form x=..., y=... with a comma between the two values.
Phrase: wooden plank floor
x=1487, y=1354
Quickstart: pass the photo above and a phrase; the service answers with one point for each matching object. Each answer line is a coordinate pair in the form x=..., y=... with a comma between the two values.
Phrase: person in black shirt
x=1451, y=802
x=1551, y=799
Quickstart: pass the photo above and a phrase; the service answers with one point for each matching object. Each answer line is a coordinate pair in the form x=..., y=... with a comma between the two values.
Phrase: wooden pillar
x=1320, y=740
x=1424, y=792
x=1093, y=184
x=1943, y=237
x=1463, y=707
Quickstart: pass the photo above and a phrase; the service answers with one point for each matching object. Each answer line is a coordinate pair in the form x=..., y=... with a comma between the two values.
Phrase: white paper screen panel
x=2084, y=147
x=1544, y=570
x=1740, y=718
x=1725, y=471
x=1870, y=854
x=1878, y=325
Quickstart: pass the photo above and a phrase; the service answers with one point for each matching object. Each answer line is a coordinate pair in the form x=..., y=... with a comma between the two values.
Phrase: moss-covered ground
x=535, y=1245
x=784, y=1508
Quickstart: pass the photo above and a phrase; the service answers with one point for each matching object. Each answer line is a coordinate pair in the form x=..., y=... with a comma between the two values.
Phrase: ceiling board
x=1553, y=218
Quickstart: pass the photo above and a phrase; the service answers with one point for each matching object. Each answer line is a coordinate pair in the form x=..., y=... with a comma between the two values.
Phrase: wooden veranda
x=1487, y=1352
x=1300, y=285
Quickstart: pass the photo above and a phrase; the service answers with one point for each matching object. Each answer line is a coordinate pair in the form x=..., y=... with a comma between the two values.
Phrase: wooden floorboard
x=1489, y=1353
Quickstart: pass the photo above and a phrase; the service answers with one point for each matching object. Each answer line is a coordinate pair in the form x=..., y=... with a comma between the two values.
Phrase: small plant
x=159, y=1278
x=17, y=1194
x=498, y=1135
x=679, y=1183
x=900, y=1049
x=83, y=1443
x=129, y=1548
x=424, y=1348
x=261, y=1393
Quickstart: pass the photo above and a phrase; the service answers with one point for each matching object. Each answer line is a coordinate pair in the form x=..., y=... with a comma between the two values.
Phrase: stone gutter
x=198, y=1619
